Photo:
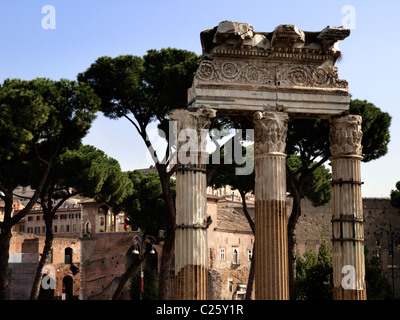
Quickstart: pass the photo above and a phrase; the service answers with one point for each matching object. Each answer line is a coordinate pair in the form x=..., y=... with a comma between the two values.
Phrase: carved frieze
x=345, y=135
x=270, y=129
x=268, y=74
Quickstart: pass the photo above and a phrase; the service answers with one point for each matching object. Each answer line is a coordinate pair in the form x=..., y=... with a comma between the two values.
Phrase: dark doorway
x=47, y=288
x=67, y=288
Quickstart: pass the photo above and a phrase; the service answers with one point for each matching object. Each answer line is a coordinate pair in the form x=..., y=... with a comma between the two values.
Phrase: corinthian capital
x=345, y=135
x=270, y=130
x=190, y=134
x=199, y=119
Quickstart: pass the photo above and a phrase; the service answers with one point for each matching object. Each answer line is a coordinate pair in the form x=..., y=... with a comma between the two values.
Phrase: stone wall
x=105, y=257
x=25, y=250
x=379, y=218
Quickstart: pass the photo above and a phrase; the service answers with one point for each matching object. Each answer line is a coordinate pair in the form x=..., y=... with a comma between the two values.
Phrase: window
x=68, y=255
x=67, y=228
x=249, y=254
x=30, y=218
x=30, y=230
x=101, y=221
x=235, y=255
x=230, y=286
x=43, y=229
x=55, y=229
x=37, y=230
x=222, y=254
x=50, y=258
x=88, y=227
x=37, y=218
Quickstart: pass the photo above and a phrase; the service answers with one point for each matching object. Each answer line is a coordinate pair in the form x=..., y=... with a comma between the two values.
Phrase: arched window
x=88, y=227
x=68, y=255
x=103, y=218
x=235, y=256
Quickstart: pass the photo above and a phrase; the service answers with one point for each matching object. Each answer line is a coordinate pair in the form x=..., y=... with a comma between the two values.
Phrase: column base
x=341, y=294
x=191, y=283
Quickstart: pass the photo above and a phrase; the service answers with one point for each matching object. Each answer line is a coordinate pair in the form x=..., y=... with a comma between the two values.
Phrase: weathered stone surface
x=286, y=70
x=271, y=249
x=347, y=219
x=345, y=135
x=191, y=254
x=270, y=132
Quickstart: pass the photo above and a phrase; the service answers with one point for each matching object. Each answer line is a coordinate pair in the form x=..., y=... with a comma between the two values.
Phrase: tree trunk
x=250, y=281
x=164, y=287
x=10, y=220
x=44, y=257
x=5, y=236
x=296, y=212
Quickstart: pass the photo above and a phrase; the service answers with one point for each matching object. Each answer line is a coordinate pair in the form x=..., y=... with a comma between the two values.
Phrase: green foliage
x=395, y=196
x=375, y=127
x=309, y=138
x=314, y=274
x=91, y=172
x=378, y=285
x=23, y=112
x=150, y=285
x=39, y=119
x=148, y=86
x=317, y=185
x=146, y=207
x=226, y=174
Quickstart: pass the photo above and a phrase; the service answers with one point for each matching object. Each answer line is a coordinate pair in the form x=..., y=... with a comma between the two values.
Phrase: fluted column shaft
x=191, y=259
x=347, y=219
x=271, y=244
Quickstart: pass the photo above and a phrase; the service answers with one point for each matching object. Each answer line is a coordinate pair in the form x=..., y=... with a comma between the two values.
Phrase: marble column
x=347, y=219
x=191, y=254
x=271, y=240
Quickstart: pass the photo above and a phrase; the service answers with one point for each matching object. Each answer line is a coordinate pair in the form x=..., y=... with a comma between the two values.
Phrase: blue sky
x=88, y=29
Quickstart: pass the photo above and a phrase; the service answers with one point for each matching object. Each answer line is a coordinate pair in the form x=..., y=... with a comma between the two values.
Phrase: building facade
x=92, y=247
x=60, y=275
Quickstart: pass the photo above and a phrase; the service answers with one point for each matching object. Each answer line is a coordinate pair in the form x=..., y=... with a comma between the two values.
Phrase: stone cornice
x=286, y=41
x=294, y=71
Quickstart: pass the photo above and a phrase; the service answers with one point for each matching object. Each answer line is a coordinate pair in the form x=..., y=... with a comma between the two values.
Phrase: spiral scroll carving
x=271, y=74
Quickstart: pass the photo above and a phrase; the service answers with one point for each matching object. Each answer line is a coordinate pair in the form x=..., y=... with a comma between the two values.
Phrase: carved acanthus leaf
x=346, y=135
x=190, y=134
x=270, y=129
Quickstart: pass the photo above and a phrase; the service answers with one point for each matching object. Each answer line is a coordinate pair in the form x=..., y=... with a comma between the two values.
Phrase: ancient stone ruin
x=271, y=77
